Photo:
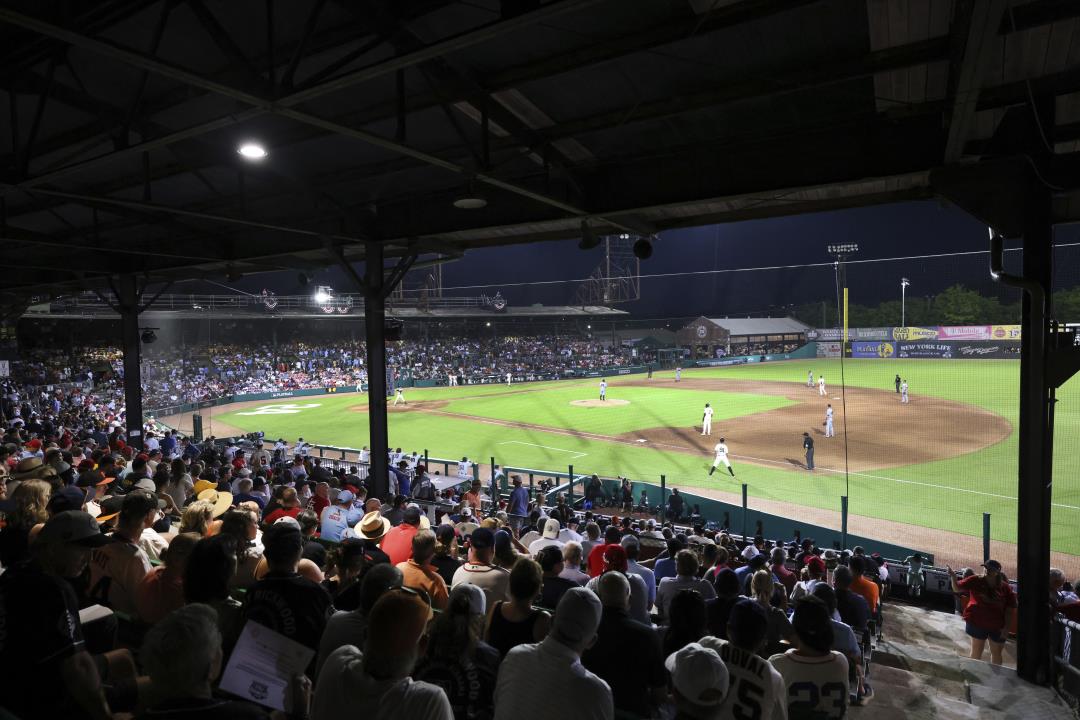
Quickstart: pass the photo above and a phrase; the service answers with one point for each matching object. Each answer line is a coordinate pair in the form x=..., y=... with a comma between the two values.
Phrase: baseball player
x=399, y=397
x=509, y=377
x=903, y=391
x=810, y=379
x=706, y=420
x=603, y=389
x=721, y=451
x=821, y=385
x=828, y=422
x=678, y=374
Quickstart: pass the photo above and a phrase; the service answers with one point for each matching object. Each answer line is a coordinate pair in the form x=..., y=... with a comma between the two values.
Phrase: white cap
x=577, y=617
x=477, y=599
x=749, y=552
x=699, y=674
x=551, y=529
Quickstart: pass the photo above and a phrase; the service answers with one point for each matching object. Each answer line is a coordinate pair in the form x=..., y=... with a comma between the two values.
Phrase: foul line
x=904, y=482
x=546, y=447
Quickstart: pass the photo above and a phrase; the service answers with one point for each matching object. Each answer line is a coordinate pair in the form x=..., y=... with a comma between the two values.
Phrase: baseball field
x=920, y=474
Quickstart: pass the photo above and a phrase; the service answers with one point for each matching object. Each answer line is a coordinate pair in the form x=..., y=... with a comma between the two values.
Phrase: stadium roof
x=122, y=121
x=760, y=326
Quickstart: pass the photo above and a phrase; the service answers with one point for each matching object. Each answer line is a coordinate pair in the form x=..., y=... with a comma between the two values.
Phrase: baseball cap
x=287, y=520
x=629, y=541
x=139, y=502
x=72, y=526
x=615, y=558
x=397, y=622
x=202, y=486
x=551, y=528
x=345, y=496
x=577, y=616
x=749, y=614
x=145, y=484
x=749, y=552
x=477, y=599
x=110, y=507
x=992, y=565
x=282, y=536
x=816, y=564
x=482, y=538
x=66, y=498
x=445, y=534
x=758, y=561
x=699, y=674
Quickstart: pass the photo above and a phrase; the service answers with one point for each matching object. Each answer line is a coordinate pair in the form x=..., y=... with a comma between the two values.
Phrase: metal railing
x=183, y=301
x=1065, y=644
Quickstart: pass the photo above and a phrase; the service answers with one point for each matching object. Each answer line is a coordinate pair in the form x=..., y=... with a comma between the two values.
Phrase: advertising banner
x=965, y=332
x=828, y=349
x=914, y=333
x=987, y=351
x=925, y=350
x=1005, y=332
x=873, y=349
x=836, y=334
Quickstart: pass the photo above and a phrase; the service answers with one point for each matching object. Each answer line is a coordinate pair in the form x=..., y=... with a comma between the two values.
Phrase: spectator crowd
x=178, y=375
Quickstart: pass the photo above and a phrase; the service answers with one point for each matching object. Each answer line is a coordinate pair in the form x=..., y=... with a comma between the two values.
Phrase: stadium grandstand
x=378, y=462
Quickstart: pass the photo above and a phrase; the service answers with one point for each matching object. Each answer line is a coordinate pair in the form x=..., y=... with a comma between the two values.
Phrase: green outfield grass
x=948, y=494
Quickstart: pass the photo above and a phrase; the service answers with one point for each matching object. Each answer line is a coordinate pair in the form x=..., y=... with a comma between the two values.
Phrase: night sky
x=883, y=231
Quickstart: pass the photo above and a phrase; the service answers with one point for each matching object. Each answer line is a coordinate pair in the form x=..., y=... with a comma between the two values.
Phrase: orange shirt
x=397, y=544
x=868, y=590
x=425, y=578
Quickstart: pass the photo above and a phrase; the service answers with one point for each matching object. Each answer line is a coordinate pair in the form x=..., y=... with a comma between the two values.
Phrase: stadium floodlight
x=324, y=294
x=252, y=151
x=904, y=282
x=843, y=248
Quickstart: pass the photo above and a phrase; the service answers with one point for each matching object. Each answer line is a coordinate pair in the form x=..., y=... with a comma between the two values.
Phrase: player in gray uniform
x=829, y=432
x=603, y=389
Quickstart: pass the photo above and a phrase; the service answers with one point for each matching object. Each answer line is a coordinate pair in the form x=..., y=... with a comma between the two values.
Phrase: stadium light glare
x=843, y=248
x=323, y=294
x=252, y=151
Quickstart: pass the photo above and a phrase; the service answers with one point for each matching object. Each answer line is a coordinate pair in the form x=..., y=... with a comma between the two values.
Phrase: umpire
x=808, y=446
x=898, y=383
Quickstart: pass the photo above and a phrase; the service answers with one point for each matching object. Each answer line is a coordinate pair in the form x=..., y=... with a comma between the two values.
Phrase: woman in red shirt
x=988, y=614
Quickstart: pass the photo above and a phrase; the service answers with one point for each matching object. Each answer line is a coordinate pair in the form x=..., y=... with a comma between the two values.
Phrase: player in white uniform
x=721, y=451
x=829, y=432
x=706, y=420
x=399, y=397
x=603, y=389
x=509, y=377
x=903, y=391
x=678, y=374
x=464, y=468
x=821, y=385
x=810, y=379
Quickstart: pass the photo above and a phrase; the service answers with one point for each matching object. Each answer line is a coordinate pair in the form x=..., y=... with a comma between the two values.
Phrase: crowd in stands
x=135, y=576
x=177, y=375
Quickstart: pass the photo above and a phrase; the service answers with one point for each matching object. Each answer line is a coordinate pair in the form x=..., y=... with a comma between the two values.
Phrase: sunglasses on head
x=422, y=594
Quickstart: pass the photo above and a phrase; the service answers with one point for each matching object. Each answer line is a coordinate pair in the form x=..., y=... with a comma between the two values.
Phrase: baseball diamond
x=936, y=463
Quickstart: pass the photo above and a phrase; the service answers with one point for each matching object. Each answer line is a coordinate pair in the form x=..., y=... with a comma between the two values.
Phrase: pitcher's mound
x=599, y=403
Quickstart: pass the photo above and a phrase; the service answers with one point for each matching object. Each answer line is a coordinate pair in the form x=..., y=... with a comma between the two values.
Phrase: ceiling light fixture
x=470, y=198
x=252, y=151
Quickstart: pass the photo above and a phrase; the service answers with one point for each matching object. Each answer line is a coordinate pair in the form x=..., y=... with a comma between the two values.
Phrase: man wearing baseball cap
x=339, y=516
x=43, y=640
x=755, y=685
x=813, y=664
x=120, y=565
x=493, y=580
x=699, y=681
x=398, y=541
x=531, y=672
x=378, y=682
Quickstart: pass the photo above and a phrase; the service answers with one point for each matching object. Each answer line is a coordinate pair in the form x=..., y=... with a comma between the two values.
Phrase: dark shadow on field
x=797, y=463
x=818, y=431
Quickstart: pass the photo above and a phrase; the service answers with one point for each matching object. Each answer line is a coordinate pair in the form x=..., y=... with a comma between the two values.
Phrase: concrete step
x=918, y=626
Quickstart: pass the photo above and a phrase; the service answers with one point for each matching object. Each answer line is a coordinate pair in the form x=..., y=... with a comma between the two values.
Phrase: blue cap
x=345, y=496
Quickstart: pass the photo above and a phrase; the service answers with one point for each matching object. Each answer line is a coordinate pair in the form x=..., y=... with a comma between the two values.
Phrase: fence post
x=744, y=488
x=426, y=460
x=494, y=488
x=843, y=521
x=986, y=536
x=570, y=496
x=663, y=499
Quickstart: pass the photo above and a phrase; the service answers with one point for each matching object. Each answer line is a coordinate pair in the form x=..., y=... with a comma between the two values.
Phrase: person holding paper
x=183, y=657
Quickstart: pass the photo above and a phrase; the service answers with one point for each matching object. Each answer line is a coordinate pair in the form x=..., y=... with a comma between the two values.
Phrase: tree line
x=956, y=305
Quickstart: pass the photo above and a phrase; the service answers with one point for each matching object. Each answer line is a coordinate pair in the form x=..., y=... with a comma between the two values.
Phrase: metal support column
x=127, y=293
x=1034, y=487
x=374, y=324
